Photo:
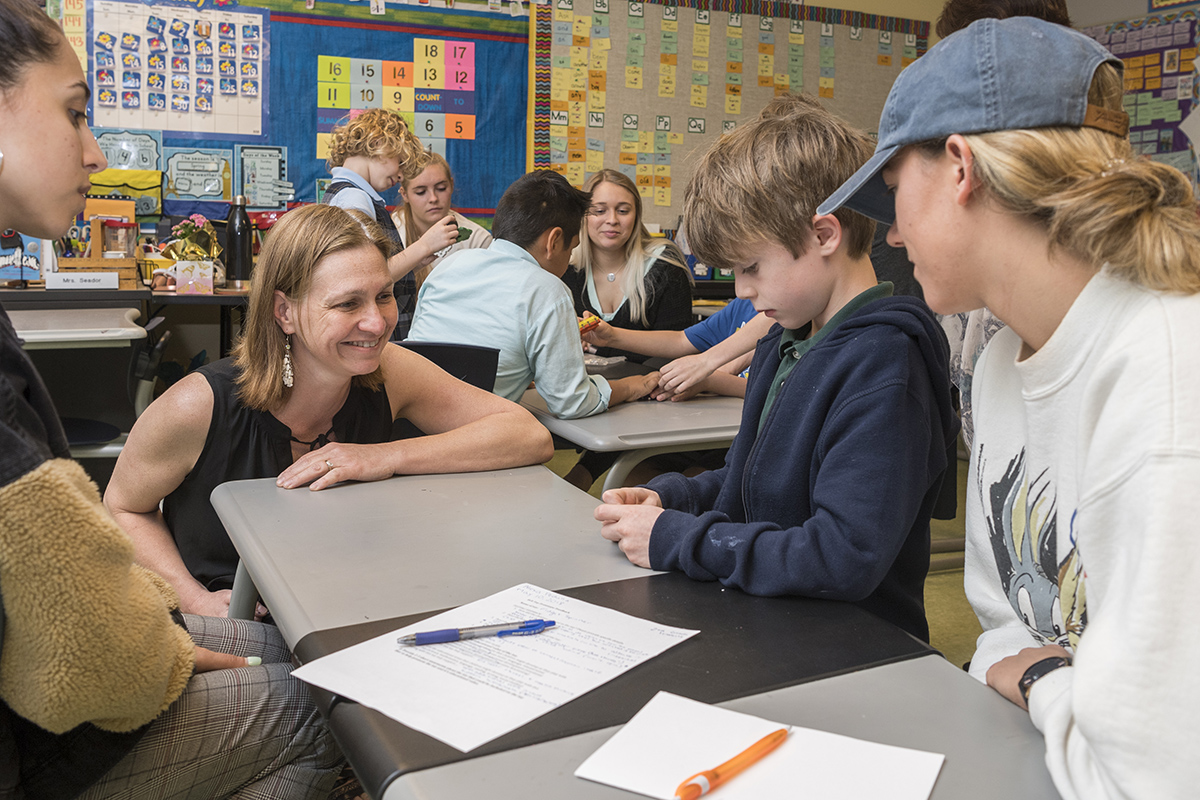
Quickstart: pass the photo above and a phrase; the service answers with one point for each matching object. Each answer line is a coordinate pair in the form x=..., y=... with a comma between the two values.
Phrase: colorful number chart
x=434, y=92
x=190, y=73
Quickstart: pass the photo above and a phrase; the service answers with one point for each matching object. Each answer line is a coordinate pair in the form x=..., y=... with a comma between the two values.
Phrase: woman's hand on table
x=335, y=463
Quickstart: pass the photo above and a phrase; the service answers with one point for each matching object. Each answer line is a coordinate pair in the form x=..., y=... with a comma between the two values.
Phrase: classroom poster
x=1160, y=82
x=645, y=87
x=191, y=73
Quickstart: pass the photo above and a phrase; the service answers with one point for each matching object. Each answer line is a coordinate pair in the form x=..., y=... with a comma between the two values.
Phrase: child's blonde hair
x=764, y=180
x=1097, y=200
x=641, y=250
x=378, y=133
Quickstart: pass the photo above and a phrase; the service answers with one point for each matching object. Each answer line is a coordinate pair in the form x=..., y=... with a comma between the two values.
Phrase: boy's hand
x=629, y=526
x=441, y=235
x=683, y=373
x=632, y=496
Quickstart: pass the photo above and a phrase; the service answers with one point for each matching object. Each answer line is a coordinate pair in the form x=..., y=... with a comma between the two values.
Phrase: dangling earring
x=288, y=378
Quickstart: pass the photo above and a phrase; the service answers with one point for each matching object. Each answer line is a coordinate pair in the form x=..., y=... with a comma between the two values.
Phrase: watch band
x=1039, y=670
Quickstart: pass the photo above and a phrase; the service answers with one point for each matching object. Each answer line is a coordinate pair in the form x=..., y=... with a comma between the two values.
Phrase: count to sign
x=434, y=91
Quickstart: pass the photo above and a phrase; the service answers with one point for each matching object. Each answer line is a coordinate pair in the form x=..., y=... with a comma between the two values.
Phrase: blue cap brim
x=866, y=192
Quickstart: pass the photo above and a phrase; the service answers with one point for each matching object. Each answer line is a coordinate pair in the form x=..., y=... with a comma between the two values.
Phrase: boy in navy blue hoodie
x=848, y=423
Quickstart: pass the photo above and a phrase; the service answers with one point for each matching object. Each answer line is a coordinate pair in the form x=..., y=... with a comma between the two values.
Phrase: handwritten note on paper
x=468, y=693
x=673, y=738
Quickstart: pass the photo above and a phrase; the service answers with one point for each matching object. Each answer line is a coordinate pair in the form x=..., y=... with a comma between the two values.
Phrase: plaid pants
x=251, y=733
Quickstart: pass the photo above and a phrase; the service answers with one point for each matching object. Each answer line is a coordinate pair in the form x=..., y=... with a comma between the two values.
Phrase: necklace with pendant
x=612, y=276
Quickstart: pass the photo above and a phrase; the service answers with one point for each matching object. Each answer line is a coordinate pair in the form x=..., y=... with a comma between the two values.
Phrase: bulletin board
x=646, y=87
x=1159, y=52
x=463, y=88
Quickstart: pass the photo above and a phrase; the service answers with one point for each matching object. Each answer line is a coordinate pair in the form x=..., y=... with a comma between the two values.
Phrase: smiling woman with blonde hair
x=309, y=395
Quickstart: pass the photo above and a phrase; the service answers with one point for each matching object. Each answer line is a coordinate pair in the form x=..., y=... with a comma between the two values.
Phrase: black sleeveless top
x=243, y=443
x=404, y=289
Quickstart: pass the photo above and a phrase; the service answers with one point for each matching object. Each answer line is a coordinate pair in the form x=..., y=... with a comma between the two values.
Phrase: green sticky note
x=700, y=79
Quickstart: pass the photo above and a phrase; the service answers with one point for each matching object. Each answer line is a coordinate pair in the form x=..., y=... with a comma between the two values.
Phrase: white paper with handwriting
x=468, y=693
x=673, y=738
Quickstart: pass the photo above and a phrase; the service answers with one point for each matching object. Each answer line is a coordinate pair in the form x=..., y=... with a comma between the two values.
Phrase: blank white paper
x=672, y=738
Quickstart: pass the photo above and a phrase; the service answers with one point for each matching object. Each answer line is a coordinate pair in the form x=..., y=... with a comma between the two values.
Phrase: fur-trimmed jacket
x=91, y=653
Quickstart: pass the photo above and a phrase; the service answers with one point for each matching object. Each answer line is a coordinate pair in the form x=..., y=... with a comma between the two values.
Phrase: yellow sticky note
x=675, y=138
x=598, y=61
x=582, y=26
x=782, y=79
x=666, y=87
x=563, y=15
x=595, y=161
x=575, y=173
x=766, y=64
x=596, y=101
x=662, y=169
x=602, y=45
x=796, y=38
x=629, y=147
x=699, y=65
x=662, y=195
x=577, y=115
x=579, y=57
x=633, y=77
x=645, y=141
x=733, y=104
x=670, y=24
x=699, y=97
x=323, y=140
x=700, y=48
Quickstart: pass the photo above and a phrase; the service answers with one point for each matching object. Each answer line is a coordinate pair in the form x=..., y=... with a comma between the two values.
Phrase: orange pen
x=704, y=782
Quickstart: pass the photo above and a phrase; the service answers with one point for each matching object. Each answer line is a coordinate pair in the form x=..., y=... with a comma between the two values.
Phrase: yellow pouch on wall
x=143, y=186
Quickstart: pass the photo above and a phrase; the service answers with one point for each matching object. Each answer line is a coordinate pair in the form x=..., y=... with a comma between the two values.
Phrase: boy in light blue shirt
x=511, y=297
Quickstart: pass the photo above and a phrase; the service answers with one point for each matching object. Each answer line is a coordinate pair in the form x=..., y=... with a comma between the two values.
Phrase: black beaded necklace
x=316, y=443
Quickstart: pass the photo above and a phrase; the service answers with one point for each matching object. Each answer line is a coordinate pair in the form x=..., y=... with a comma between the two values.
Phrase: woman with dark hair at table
x=105, y=689
x=309, y=395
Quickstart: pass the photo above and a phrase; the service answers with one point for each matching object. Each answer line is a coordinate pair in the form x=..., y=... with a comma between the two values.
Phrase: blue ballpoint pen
x=526, y=628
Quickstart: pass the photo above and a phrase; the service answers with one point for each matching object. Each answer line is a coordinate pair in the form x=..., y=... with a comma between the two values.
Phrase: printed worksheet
x=469, y=692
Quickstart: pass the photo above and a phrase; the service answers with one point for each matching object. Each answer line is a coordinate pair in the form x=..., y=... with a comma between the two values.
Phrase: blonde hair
x=1098, y=201
x=411, y=234
x=764, y=180
x=295, y=248
x=377, y=133
x=641, y=249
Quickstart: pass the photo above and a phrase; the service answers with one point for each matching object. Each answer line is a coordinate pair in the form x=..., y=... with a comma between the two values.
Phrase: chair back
x=469, y=363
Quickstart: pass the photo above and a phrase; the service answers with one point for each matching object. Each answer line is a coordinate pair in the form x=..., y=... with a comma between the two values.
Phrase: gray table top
x=992, y=750
x=646, y=423
x=366, y=551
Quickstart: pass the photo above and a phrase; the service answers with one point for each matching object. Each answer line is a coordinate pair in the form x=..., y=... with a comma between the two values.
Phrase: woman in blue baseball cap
x=1004, y=167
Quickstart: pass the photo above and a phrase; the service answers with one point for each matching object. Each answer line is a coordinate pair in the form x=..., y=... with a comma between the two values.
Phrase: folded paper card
x=673, y=738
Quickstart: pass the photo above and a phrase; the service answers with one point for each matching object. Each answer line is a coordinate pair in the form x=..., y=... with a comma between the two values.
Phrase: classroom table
x=645, y=428
x=77, y=328
x=358, y=560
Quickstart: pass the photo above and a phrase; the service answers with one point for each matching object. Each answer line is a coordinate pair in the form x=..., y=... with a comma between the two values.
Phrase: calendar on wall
x=434, y=91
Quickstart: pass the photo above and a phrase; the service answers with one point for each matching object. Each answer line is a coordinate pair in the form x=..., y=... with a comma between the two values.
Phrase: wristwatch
x=1038, y=671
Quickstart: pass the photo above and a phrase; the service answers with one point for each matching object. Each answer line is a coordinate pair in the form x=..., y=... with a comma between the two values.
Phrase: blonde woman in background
x=620, y=273
x=1004, y=161
x=427, y=199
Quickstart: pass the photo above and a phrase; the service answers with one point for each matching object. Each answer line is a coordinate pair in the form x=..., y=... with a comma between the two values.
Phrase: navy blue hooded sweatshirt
x=832, y=498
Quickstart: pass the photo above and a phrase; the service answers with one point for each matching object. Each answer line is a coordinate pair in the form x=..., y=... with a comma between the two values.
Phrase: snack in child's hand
x=589, y=322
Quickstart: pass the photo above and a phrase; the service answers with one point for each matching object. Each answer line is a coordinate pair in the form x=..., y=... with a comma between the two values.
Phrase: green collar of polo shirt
x=795, y=342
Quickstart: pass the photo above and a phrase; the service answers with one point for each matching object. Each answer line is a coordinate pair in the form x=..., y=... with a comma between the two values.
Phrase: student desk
x=341, y=565
x=78, y=328
x=645, y=428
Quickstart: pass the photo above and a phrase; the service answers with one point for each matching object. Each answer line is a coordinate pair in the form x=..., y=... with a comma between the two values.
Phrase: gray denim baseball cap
x=994, y=75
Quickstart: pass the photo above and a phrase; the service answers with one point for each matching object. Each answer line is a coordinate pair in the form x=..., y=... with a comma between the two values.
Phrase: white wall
x=1095, y=12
